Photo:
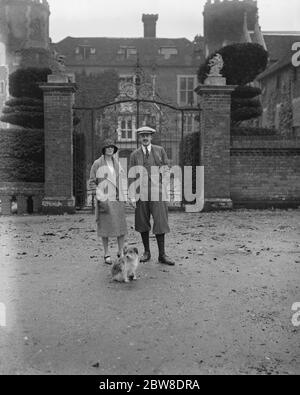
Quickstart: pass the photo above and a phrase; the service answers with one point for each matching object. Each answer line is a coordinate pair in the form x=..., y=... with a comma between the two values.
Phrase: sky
x=177, y=18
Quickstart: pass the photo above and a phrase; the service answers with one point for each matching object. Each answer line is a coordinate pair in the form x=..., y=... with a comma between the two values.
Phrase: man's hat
x=145, y=130
x=109, y=143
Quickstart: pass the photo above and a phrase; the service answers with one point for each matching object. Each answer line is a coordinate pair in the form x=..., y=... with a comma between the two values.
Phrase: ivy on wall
x=281, y=117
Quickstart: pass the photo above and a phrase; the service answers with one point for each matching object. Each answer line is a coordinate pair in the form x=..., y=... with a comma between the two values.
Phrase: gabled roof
x=148, y=48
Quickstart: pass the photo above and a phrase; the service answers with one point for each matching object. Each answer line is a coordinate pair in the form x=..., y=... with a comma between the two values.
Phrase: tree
x=242, y=64
x=97, y=89
x=26, y=109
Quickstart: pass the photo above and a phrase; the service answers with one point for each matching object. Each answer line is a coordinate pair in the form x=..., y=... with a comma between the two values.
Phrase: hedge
x=21, y=155
x=190, y=153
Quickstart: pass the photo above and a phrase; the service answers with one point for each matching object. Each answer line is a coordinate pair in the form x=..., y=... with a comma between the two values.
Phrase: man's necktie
x=147, y=153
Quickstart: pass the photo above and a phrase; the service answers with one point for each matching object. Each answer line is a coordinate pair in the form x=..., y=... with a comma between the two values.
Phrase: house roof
x=278, y=43
x=148, y=49
x=285, y=61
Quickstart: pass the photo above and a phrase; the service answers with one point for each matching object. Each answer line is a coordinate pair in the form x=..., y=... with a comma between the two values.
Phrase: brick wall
x=265, y=171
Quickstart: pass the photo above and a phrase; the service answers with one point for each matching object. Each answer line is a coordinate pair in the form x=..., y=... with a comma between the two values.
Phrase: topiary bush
x=25, y=82
x=26, y=108
x=21, y=155
x=245, y=92
x=242, y=64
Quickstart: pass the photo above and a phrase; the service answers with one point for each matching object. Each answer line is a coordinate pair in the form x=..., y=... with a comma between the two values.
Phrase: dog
x=124, y=269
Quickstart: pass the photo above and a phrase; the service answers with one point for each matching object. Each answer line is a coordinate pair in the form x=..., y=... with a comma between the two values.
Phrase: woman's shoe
x=107, y=260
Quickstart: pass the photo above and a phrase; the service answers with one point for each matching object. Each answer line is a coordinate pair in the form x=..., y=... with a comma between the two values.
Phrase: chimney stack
x=149, y=21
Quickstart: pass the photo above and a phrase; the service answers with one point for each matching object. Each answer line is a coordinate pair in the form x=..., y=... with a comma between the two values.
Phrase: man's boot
x=147, y=255
x=163, y=258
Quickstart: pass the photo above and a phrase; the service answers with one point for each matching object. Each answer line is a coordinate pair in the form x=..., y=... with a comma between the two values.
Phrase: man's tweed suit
x=158, y=209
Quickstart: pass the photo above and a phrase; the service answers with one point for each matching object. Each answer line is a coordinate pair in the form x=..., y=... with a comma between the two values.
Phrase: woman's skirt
x=113, y=222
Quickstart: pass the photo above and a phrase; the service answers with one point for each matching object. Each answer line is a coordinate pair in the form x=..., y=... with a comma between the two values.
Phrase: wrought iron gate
x=178, y=131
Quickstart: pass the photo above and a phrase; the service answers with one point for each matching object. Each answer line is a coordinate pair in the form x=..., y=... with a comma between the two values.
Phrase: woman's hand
x=132, y=203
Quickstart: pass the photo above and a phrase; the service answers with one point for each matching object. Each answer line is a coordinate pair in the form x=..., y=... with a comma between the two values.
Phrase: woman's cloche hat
x=107, y=144
x=146, y=130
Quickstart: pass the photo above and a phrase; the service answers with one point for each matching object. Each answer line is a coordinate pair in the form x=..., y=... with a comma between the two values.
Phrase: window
x=2, y=87
x=17, y=58
x=127, y=52
x=84, y=51
x=167, y=52
x=126, y=128
x=2, y=54
x=186, y=86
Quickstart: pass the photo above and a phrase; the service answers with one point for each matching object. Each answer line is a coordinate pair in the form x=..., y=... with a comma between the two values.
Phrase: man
x=149, y=156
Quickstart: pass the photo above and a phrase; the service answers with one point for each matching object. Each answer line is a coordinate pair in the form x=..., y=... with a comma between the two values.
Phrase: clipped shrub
x=31, y=120
x=242, y=63
x=26, y=108
x=28, y=101
x=246, y=92
x=25, y=82
x=21, y=155
x=245, y=114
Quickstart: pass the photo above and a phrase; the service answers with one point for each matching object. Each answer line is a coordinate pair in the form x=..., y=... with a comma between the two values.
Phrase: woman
x=107, y=177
